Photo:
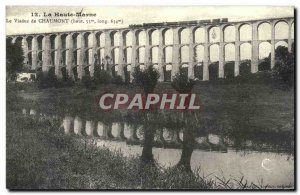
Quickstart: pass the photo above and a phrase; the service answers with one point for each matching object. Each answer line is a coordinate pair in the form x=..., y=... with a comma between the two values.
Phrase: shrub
x=101, y=76
x=46, y=79
x=284, y=68
x=245, y=68
x=146, y=79
x=88, y=82
x=265, y=65
x=49, y=79
x=182, y=83
x=213, y=71
x=32, y=77
x=118, y=80
x=229, y=70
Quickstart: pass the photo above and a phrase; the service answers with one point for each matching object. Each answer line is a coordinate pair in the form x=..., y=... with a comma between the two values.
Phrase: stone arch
x=40, y=58
x=167, y=36
x=127, y=72
x=40, y=42
x=64, y=40
x=199, y=35
x=29, y=40
x=184, y=35
x=245, y=32
x=87, y=59
x=229, y=51
x=64, y=57
x=214, y=34
x=229, y=33
x=245, y=51
x=154, y=37
x=184, y=54
x=115, y=38
x=168, y=54
x=86, y=37
x=245, y=68
x=213, y=69
x=184, y=68
x=154, y=54
x=141, y=54
x=264, y=50
x=127, y=55
x=199, y=53
x=198, y=71
x=100, y=39
x=115, y=55
x=281, y=43
x=75, y=38
x=167, y=72
x=75, y=58
x=29, y=57
x=114, y=70
x=264, y=31
x=281, y=30
x=53, y=41
x=52, y=59
x=64, y=73
x=229, y=69
x=127, y=38
x=100, y=54
x=140, y=38
x=214, y=53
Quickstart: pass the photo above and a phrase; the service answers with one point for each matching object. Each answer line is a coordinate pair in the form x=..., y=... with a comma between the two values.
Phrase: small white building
x=25, y=77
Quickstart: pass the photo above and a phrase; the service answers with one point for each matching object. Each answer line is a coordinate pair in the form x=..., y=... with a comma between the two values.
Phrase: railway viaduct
x=167, y=45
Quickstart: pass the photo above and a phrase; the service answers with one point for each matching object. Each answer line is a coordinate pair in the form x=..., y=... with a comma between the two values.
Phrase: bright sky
x=138, y=15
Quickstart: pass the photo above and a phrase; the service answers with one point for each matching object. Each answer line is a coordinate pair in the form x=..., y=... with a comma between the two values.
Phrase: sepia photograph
x=150, y=98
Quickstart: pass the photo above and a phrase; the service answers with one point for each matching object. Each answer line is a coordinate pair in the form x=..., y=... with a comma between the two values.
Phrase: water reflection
x=214, y=153
x=78, y=125
x=32, y=112
x=67, y=124
x=89, y=128
x=271, y=168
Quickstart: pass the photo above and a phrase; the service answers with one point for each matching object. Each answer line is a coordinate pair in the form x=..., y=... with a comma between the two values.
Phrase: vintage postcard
x=150, y=98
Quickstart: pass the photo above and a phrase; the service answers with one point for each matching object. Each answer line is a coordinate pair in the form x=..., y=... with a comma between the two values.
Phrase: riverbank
x=40, y=156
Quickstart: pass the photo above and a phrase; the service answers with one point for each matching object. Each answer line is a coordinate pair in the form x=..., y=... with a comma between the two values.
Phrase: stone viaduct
x=168, y=46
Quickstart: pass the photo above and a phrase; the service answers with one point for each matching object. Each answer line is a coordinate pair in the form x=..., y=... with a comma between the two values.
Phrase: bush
x=245, y=68
x=101, y=76
x=265, y=65
x=49, y=79
x=146, y=79
x=88, y=82
x=213, y=71
x=181, y=83
x=284, y=68
x=118, y=80
x=229, y=70
x=46, y=79
x=32, y=77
